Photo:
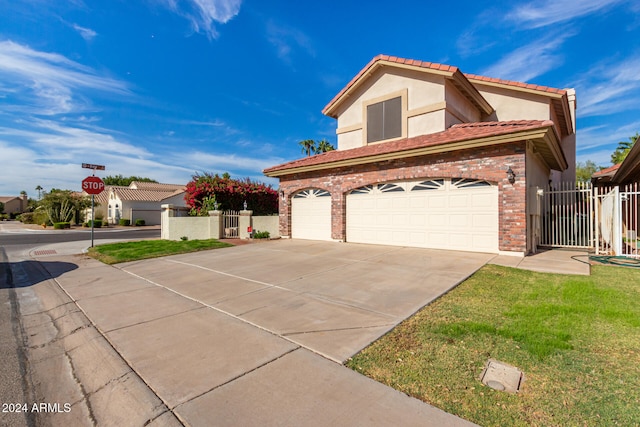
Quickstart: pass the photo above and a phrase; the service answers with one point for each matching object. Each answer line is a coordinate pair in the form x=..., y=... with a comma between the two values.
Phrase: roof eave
x=554, y=157
x=629, y=169
x=372, y=67
x=461, y=81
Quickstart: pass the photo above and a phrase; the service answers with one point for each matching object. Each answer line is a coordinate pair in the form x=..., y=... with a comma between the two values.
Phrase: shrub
x=27, y=218
x=61, y=225
x=125, y=222
x=261, y=234
x=184, y=238
x=96, y=224
x=230, y=194
x=139, y=222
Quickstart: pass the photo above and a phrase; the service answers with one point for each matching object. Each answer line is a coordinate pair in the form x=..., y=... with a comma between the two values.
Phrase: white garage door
x=311, y=215
x=460, y=214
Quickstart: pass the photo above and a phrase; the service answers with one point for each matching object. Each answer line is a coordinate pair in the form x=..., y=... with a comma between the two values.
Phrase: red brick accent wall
x=489, y=163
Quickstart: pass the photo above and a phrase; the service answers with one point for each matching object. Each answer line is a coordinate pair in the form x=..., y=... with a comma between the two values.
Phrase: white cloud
x=202, y=161
x=548, y=12
x=610, y=87
x=285, y=39
x=204, y=14
x=48, y=82
x=86, y=33
x=596, y=143
x=529, y=61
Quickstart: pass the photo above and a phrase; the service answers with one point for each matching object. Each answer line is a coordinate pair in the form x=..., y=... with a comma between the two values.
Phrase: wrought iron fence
x=230, y=222
x=567, y=215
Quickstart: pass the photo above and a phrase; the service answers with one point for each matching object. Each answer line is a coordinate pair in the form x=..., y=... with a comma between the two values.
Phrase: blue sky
x=167, y=88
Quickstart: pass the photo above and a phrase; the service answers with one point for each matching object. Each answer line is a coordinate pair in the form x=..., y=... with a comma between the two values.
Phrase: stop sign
x=92, y=185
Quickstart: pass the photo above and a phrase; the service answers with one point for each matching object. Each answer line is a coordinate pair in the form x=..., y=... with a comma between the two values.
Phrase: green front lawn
x=576, y=338
x=113, y=253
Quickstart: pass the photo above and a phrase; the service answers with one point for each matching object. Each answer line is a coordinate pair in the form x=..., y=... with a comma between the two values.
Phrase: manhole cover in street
x=502, y=377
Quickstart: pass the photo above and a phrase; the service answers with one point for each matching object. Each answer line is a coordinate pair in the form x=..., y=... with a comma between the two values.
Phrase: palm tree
x=623, y=149
x=324, y=146
x=308, y=146
x=39, y=190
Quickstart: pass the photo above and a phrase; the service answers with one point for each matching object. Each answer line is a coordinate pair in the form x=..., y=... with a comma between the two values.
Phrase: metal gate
x=567, y=216
x=617, y=219
x=230, y=221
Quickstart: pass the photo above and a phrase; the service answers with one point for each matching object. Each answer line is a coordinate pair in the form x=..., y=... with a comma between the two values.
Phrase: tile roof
x=610, y=171
x=138, y=195
x=387, y=58
x=440, y=68
x=132, y=194
x=456, y=133
x=140, y=185
x=515, y=84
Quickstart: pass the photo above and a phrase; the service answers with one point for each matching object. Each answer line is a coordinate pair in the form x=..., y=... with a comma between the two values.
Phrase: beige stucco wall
x=537, y=177
x=192, y=227
x=422, y=90
x=267, y=223
x=14, y=206
x=568, y=145
x=460, y=109
x=426, y=123
x=515, y=105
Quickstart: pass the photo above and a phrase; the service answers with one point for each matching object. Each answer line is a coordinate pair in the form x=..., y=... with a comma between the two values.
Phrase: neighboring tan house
x=431, y=157
x=14, y=205
x=140, y=200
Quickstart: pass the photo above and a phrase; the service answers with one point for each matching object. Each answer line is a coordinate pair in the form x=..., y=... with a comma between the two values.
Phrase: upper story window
x=384, y=120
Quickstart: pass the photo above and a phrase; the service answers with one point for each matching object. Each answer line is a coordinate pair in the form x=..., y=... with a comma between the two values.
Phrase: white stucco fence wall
x=266, y=223
x=175, y=227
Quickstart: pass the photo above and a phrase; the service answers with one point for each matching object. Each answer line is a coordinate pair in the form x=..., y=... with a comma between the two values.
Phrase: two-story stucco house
x=431, y=157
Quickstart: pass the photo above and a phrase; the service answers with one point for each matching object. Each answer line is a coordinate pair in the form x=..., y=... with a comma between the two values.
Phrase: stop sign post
x=92, y=185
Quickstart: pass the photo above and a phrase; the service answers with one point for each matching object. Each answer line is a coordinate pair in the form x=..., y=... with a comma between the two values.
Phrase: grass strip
x=113, y=253
x=576, y=338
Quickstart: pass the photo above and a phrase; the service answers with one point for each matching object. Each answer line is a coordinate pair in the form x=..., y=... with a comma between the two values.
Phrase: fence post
x=215, y=224
x=167, y=212
x=244, y=223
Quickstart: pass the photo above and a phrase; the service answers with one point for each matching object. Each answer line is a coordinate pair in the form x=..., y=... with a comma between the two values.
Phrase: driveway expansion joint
x=152, y=320
x=355, y=328
x=248, y=322
x=239, y=376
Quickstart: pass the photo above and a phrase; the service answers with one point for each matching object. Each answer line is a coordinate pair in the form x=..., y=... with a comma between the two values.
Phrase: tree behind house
x=623, y=149
x=124, y=181
x=585, y=170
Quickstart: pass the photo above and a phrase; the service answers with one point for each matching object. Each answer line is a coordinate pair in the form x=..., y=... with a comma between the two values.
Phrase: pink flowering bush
x=230, y=194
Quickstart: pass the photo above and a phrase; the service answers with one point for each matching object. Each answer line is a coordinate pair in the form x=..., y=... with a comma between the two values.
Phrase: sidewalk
x=560, y=261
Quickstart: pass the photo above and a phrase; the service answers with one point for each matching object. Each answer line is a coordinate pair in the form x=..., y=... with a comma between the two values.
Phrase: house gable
x=431, y=97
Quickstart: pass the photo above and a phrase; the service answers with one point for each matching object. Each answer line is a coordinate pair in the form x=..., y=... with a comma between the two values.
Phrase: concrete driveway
x=235, y=336
x=331, y=298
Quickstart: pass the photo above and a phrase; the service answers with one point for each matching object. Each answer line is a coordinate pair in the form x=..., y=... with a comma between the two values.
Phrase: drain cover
x=502, y=377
